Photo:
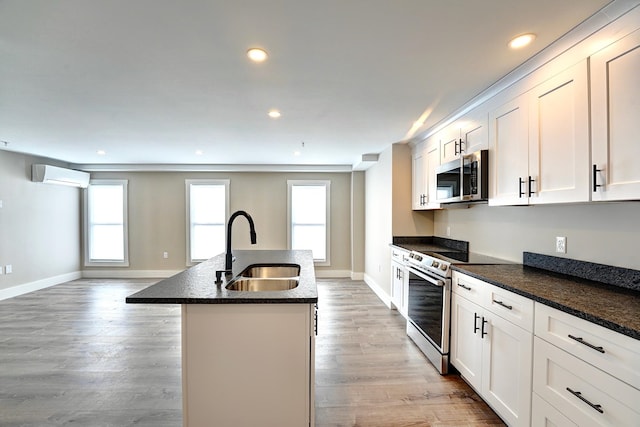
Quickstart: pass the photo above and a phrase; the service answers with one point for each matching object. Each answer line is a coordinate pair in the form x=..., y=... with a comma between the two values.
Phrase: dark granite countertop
x=196, y=285
x=609, y=306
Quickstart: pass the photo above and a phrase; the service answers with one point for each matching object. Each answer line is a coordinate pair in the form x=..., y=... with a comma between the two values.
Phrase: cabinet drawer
x=586, y=395
x=545, y=415
x=614, y=353
x=399, y=255
x=469, y=287
x=512, y=307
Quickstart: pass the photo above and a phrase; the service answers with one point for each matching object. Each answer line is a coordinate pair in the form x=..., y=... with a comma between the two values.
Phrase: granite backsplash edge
x=606, y=274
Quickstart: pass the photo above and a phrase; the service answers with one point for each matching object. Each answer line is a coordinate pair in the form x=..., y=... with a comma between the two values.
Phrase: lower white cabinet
x=589, y=372
x=586, y=395
x=399, y=279
x=493, y=355
x=545, y=415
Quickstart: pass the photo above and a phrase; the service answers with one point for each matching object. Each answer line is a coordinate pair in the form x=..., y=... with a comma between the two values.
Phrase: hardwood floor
x=76, y=354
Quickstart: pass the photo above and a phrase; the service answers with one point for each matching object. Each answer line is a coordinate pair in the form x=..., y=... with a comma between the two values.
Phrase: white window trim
x=87, y=261
x=327, y=184
x=190, y=262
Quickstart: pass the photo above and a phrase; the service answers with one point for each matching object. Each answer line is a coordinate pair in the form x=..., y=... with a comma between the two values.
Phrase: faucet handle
x=219, y=275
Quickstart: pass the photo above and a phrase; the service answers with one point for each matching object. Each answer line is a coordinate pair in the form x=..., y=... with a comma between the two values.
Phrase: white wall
x=39, y=228
x=388, y=214
x=606, y=233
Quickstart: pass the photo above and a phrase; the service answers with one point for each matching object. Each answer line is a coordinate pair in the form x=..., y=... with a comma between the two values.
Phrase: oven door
x=428, y=307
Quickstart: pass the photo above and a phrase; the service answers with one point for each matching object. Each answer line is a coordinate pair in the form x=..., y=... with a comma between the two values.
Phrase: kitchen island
x=247, y=356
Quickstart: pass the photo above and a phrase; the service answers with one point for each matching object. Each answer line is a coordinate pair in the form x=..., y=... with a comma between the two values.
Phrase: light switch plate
x=8, y=269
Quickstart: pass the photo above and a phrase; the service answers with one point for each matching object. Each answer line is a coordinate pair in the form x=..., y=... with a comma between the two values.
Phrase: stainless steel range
x=429, y=307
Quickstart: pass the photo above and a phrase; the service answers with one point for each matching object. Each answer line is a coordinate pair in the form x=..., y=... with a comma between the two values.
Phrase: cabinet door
x=418, y=184
x=432, y=162
x=450, y=145
x=474, y=133
x=559, y=138
x=397, y=297
x=507, y=357
x=466, y=345
x=615, y=109
x=508, y=153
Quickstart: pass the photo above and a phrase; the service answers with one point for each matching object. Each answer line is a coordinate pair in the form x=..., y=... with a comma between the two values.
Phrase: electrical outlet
x=8, y=269
x=561, y=245
x=1, y=270
x=165, y=255
x=448, y=231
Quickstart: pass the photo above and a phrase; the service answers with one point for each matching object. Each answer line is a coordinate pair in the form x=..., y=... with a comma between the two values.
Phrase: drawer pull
x=510, y=307
x=581, y=341
x=464, y=287
x=476, y=328
x=482, y=332
x=579, y=396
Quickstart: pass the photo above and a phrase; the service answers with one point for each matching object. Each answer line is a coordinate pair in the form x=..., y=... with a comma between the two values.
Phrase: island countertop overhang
x=196, y=285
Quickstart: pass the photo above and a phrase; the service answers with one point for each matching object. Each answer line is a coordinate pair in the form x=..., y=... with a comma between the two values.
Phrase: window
x=309, y=218
x=207, y=209
x=105, y=231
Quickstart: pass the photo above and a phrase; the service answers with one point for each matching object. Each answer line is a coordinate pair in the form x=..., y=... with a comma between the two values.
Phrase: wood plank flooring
x=76, y=355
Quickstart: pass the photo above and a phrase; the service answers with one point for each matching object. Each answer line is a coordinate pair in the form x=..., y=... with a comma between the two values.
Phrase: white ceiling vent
x=54, y=175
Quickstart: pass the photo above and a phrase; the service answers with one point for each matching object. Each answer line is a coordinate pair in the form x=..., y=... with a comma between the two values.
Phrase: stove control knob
x=443, y=267
x=435, y=264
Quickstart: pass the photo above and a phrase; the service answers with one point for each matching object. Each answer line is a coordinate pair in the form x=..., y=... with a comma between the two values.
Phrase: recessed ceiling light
x=257, y=55
x=274, y=114
x=199, y=152
x=101, y=152
x=521, y=40
x=296, y=153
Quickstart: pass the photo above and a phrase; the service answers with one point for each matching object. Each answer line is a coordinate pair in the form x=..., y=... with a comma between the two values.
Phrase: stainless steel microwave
x=465, y=179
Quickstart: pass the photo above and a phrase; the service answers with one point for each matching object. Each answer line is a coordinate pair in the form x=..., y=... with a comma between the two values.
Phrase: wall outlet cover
x=8, y=269
x=561, y=245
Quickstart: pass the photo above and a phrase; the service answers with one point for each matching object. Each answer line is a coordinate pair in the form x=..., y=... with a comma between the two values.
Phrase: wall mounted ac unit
x=54, y=175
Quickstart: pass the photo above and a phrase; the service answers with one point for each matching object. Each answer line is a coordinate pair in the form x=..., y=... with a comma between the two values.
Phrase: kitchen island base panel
x=247, y=364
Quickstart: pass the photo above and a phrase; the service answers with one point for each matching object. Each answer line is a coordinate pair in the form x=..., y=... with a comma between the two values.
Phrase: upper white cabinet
x=615, y=110
x=539, y=143
x=508, y=152
x=426, y=157
x=466, y=135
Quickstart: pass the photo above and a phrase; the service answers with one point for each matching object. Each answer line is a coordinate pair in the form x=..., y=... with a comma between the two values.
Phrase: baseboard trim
x=25, y=288
x=332, y=274
x=357, y=276
x=386, y=299
x=128, y=274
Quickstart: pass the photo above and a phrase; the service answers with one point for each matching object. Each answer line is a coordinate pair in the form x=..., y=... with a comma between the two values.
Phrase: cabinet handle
x=530, y=181
x=455, y=149
x=510, y=307
x=595, y=178
x=581, y=341
x=476, y=328
x=462, y=142
x=464, y=287
x=482, y=332
x=579, y=396
x=520, y=192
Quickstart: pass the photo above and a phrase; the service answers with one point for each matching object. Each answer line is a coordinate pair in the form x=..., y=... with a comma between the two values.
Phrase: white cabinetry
x=590, y=372
x=426, y=157
x=539, y=143
x=466, y=135
x=615, y=109
x=491, y=345
x=399, y=279
x=248, y=364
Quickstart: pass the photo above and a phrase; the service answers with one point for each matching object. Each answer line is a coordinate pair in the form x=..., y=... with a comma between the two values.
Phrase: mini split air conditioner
x=54, y=175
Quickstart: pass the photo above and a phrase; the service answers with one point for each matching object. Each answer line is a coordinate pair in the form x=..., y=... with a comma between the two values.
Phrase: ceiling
x=154, y=81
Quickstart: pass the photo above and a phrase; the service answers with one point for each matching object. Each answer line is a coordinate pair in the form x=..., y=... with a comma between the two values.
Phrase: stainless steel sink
x=271, y=271
x=262, y=285
x=266, y=277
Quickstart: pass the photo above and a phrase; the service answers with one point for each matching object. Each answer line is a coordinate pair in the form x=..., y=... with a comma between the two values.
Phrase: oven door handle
x=433, y=281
